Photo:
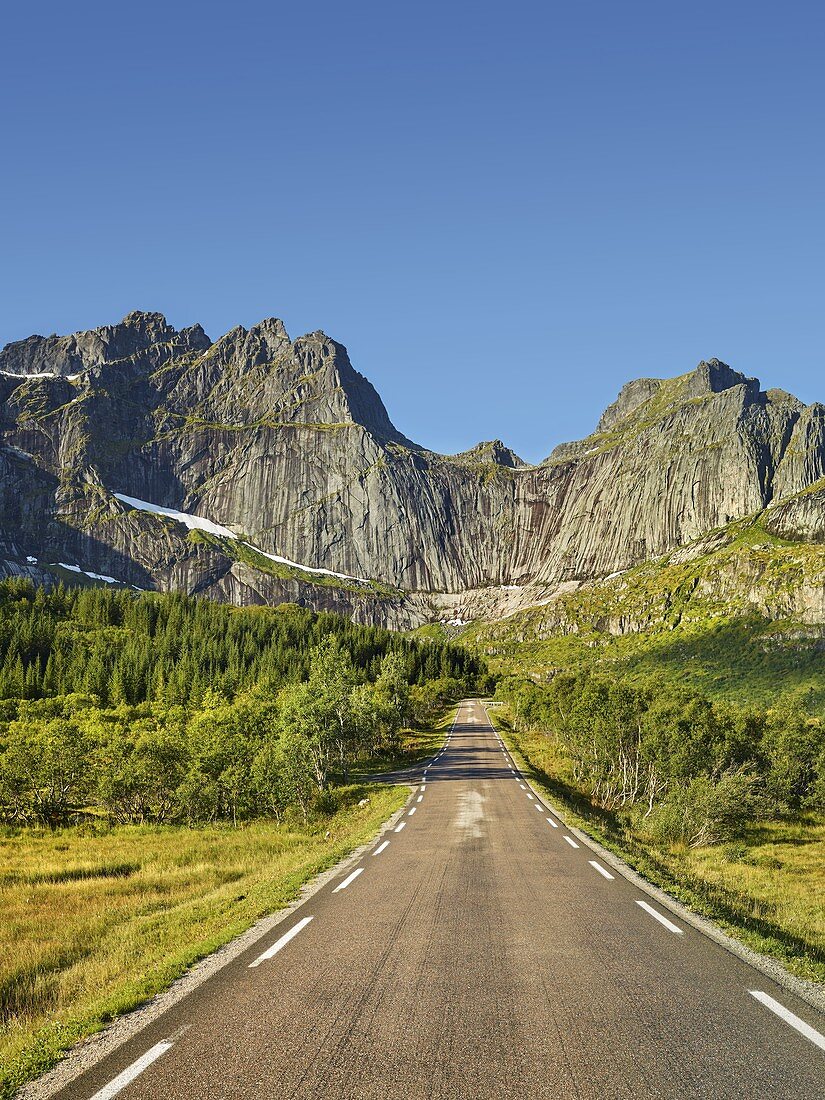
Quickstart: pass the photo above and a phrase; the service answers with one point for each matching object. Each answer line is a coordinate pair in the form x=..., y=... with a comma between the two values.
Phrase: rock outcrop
x=286, y=444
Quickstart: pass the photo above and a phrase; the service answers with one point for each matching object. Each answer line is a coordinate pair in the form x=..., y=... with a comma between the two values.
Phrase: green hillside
x=737, y=615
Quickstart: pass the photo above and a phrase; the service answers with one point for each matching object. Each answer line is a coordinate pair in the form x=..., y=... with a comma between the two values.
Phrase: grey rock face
x=136, y=334
x=288, y=444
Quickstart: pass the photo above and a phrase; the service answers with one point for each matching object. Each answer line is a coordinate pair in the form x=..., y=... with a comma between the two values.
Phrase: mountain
x=115, y=441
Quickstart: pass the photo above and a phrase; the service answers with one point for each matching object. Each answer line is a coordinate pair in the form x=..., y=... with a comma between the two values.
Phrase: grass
x=417, y=745
x=96, y=922
x=686, y=624
x=719, y=619
x=747, y=661
x=240, y=550
x=765, y=888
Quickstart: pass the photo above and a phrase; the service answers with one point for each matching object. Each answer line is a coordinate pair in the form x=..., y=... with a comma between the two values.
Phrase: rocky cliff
x=290, y=453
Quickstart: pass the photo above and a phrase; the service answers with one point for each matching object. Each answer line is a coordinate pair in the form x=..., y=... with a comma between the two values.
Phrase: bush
x=705, y=811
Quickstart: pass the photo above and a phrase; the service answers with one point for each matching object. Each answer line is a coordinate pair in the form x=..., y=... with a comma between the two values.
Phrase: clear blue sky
x=504, y=211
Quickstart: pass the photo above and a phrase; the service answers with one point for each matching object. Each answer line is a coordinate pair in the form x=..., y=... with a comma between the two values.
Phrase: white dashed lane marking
x=131, y=1072
x=598, y=867
x=381, y=848
x=282, y=942
x=816, y=1037
x=570, y=841
x=661, y=919
x=349, y=879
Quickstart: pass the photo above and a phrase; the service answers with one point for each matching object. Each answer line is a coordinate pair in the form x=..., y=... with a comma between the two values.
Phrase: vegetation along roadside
x=723, y=807
x=171, y=770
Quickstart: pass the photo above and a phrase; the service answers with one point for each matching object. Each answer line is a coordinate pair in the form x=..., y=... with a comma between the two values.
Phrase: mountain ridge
x=288, y=444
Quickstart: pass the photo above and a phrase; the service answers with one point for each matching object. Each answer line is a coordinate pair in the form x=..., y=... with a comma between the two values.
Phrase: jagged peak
x=271, y=326
x=709, y=376
x=143, y=318
x=256, y=345
x=493, y=451
x=80, y=351
x=714, y=376
x=645, y=400
x=316, y=337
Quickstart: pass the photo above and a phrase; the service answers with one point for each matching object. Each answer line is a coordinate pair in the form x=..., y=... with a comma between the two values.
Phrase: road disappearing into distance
x=478, y=949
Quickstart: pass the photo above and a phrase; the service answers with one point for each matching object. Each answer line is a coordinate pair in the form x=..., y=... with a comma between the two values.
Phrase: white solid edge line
x=658, y=916
x=552, y=822
x=598, y=867
x=282, y=942
x=350, y=878
x=398, y=828
x=570, y=841
x=816, y=1037
x=131, y=1072
x=381, y=848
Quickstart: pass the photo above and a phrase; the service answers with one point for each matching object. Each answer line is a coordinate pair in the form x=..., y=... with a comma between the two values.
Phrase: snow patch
x=83, y=572
x=456, y=622
x=305, y=568
x=18, y=452
x=194, y=523
x=31, y=560
x=41, y=374
x=200, y=523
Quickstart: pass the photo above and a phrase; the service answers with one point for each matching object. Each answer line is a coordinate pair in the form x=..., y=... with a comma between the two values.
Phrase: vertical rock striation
x=286, y=443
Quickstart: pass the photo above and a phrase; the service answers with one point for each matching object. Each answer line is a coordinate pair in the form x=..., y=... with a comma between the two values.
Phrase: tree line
x=167, y=709
x=692, y=769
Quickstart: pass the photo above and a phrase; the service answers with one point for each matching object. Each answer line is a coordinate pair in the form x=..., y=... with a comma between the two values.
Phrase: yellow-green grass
x=719, y=620
x=766, y=888
x=416, y=745
x=95, y=923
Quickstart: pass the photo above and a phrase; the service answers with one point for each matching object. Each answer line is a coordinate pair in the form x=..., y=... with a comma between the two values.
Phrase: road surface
x=478, y=949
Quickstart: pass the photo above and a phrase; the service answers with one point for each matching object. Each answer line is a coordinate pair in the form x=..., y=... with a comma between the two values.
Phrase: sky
x=504, y=211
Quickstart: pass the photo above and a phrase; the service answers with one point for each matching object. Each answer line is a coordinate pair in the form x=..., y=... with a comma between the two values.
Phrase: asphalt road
x=476, y=952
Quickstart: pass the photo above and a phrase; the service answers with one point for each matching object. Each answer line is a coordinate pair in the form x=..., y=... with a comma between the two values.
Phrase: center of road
x=516, y=967
x=470, y=813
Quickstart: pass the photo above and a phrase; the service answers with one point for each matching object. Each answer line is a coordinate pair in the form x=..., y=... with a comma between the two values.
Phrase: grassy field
x=417, y=745
x=718, y=619
x=736, y=661
x=766, y=888
x=96, y=922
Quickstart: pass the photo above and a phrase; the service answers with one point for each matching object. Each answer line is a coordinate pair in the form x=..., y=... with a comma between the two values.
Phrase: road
x=476, y=951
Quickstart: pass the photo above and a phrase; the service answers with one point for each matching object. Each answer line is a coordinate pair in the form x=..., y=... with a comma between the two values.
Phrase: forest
x=689, y=769
x=146, y=708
